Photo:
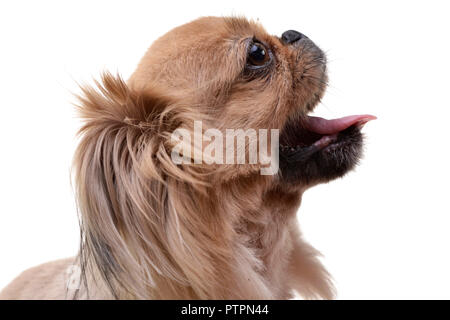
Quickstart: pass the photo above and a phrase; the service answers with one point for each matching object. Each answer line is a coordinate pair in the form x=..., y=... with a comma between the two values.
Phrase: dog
x=155, y=229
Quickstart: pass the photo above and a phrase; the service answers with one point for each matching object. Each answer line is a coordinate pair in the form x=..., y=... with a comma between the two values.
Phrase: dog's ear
x=120, y=171
x=118, y=120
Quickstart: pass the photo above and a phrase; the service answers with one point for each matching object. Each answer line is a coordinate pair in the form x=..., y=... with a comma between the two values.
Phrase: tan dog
x=154, y=229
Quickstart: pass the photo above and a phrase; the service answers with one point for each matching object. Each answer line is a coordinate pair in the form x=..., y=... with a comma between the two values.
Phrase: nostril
x=291, y=36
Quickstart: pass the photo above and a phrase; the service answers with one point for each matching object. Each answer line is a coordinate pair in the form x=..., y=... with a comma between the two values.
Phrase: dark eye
x=258, y=55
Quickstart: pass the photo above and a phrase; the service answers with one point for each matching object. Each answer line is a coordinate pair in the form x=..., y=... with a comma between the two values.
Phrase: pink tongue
x=324, y=126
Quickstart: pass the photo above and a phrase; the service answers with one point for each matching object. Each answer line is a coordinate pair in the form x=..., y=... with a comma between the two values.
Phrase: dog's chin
x=314, y=150
x=308, y=165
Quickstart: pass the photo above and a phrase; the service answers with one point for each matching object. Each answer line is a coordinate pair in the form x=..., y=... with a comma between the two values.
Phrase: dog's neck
x=248, y=240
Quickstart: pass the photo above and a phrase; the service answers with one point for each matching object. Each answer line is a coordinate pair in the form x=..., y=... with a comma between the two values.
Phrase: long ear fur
x=121, y=170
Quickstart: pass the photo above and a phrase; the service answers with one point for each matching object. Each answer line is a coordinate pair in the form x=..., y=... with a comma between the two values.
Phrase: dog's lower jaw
x=309, y=157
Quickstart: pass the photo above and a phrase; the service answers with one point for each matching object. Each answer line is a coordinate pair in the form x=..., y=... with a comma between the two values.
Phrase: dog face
x=236, y=74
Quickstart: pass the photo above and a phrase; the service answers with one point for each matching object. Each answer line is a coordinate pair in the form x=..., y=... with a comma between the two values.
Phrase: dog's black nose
x=291, y=36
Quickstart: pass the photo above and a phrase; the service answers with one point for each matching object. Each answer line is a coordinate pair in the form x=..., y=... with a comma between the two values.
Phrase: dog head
x=140, y=209
x=234, y=75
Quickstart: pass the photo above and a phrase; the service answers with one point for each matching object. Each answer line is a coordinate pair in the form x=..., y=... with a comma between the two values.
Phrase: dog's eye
x=258, y=55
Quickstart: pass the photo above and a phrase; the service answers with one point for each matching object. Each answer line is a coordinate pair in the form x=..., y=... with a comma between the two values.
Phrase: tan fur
x=155, y=230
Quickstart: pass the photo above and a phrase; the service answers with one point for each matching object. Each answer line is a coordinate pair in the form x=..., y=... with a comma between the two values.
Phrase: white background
x=384, y=229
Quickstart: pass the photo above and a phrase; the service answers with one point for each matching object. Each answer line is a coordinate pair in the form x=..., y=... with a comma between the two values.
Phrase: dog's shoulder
x=45, y=281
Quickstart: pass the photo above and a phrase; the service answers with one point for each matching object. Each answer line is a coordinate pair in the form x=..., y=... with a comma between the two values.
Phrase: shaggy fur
x=155, y=230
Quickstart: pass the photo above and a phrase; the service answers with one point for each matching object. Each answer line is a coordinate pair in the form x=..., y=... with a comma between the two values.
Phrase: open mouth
x=314, y=148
